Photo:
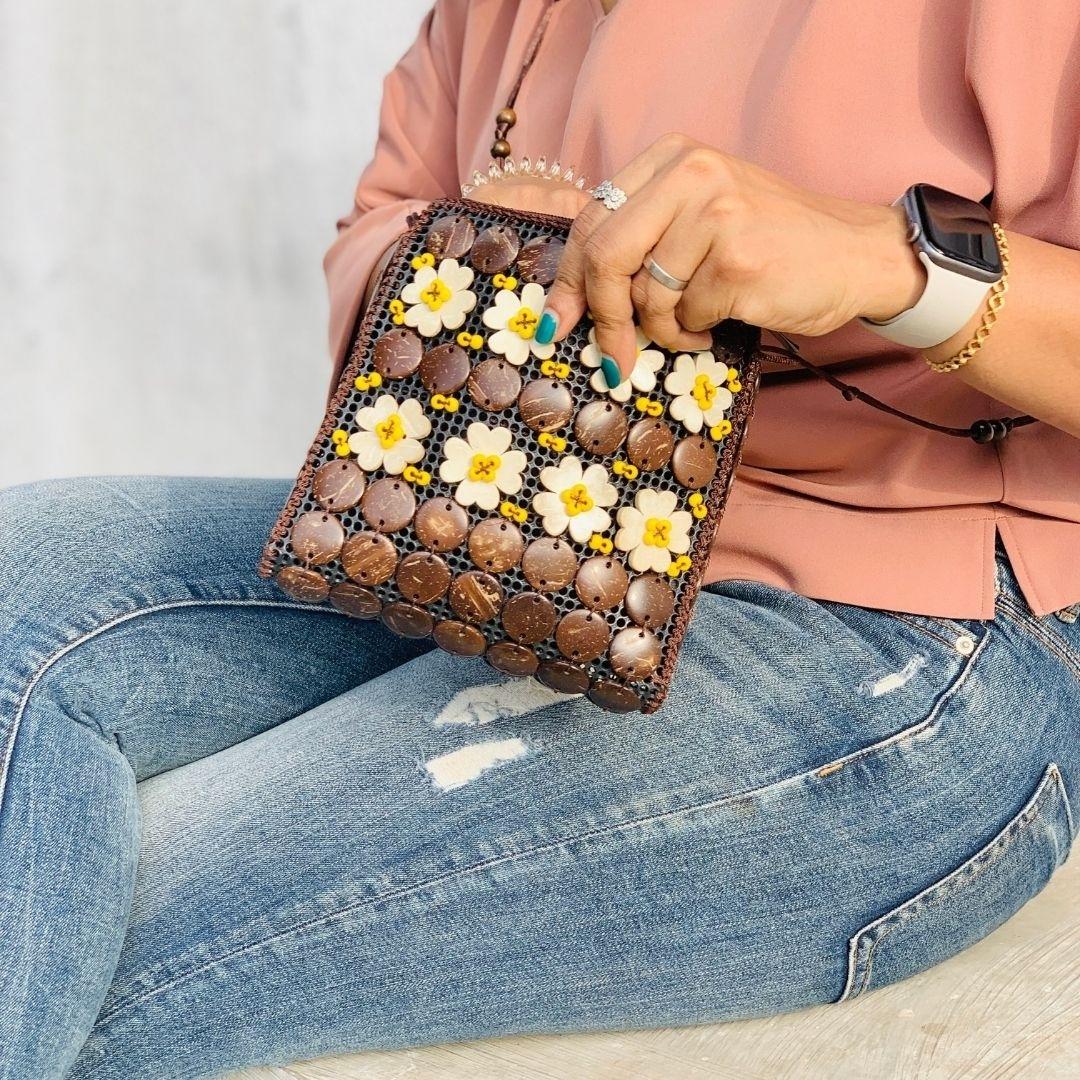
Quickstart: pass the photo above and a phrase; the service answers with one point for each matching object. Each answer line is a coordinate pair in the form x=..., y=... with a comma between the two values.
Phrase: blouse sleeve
x=1023, y=66
x=415, y=161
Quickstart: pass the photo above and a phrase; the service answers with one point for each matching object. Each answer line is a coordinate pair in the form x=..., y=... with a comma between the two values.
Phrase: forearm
x=1031, y=359
x=351, y=264
x=415, y=161
x=376, y=274
x=341, y=326
x=752, y=246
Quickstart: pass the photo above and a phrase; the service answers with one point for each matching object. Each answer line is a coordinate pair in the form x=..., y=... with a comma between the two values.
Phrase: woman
x=237, y=830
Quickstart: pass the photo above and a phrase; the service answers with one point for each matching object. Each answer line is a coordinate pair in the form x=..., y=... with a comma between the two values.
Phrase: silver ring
x=611, y=196
x=670, y=281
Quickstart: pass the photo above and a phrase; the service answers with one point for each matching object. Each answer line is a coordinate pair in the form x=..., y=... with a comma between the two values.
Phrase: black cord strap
x=981, y=431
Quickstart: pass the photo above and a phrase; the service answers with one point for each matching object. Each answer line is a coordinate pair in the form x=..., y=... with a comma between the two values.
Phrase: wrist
x=507, y=168
x=894, y=277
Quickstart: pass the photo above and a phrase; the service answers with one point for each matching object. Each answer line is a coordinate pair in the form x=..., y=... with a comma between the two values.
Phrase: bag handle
x=980, y=431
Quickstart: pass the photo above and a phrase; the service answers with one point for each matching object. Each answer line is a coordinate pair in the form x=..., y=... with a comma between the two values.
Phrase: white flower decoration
x=652, y=529
x=643, y=376
x=697, y=384
x=515, y=321
x=575, y=499
x=482, y=465
x=390, y=434
x=440, y=298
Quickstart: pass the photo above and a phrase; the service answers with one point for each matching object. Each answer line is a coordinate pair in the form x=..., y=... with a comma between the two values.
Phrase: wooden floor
x=1006, y=1009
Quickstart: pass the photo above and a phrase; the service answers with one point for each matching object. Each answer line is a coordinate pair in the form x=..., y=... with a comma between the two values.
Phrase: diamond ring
x=658, y=273
x=611, y=196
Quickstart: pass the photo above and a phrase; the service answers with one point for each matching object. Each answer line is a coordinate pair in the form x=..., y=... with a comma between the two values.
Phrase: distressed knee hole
x=497, y=701
x=461, y=766
x=895, y=680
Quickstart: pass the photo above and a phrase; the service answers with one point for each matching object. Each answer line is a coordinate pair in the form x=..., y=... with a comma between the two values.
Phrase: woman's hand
x=751, y=245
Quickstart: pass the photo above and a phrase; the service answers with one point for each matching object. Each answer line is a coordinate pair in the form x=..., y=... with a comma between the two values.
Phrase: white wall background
x=170, y=175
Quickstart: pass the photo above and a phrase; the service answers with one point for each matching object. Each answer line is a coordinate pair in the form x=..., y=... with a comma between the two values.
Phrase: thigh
x=132, y=605
x=445, y=854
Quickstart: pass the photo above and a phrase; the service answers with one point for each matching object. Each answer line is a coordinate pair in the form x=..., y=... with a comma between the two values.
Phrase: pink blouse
x=834, y=500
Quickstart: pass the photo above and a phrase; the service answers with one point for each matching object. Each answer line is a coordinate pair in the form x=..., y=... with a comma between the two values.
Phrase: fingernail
x=545, y=331
x=611, y=371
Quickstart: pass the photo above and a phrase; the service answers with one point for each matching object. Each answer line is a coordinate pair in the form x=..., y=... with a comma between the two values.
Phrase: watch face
x=960, y=229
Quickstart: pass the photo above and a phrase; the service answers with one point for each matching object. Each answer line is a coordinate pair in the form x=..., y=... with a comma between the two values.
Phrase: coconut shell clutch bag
x=471, y=485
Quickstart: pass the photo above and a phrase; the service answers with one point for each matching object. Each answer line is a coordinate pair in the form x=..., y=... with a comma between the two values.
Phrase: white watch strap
x=947, y=303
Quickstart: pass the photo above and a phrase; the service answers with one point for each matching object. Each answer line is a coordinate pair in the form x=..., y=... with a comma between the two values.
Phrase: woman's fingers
x=604, y=253
x=590, y=255
x=607, y=291
x=680, y=253
x=662, y=220
x=565, y=302
x=602, y=266
x=655, y=306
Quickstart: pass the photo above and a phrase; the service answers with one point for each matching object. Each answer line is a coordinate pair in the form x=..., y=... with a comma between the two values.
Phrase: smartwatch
x=954, y=239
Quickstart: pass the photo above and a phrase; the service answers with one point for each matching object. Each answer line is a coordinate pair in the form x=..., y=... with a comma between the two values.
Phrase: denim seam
x=1061, y=648
x=907, y=620
x=937, y=627
x=945, y=886
x=818, y=772
x=991, y=852
x=23, y=701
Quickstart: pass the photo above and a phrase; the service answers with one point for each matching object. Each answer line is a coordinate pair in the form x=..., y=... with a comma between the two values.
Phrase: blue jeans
x=236, y=829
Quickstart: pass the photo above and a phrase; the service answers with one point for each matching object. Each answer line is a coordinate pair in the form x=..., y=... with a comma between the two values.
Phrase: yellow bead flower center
x=484, y=467
x=577, y=500
x=523, y=323
x=657, y=532
x=436, y=294
x=390, y=431
x=704, y=392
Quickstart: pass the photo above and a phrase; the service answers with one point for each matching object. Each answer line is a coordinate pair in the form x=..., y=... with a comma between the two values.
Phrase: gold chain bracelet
x=993, y=306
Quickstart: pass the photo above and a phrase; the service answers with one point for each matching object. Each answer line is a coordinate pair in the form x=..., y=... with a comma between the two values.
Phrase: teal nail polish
x=545, y=331
x=611, y=371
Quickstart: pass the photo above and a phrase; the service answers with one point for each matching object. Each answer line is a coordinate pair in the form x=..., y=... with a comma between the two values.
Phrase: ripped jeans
x=239, y=830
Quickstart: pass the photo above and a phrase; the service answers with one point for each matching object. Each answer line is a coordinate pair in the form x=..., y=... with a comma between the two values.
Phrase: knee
x=58, y=544
x=67, y=551
x=44, y=522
